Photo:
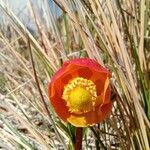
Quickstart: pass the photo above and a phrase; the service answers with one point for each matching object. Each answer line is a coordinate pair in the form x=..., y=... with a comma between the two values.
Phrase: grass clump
x=114, y=33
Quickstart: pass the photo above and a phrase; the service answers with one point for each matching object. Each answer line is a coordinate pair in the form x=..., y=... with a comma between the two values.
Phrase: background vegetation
x=116, y=33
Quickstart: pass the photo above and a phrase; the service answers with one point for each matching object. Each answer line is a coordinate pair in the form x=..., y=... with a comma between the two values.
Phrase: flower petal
x=58, y=104
x=104, y=97
x=86, y=62
x=91, y=118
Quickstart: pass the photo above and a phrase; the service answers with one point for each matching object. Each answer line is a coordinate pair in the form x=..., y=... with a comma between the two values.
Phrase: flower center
x=80, y=95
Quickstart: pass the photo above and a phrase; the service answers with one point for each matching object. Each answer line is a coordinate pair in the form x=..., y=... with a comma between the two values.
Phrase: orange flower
x=79, y=92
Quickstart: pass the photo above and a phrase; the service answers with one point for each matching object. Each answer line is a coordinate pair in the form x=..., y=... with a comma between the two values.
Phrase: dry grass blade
x=141, y=44
x=114, y=33
x=17, y=24
x=30, y=127
x=40, y=91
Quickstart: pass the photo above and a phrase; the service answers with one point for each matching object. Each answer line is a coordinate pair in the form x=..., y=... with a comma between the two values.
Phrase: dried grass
x=115, y=33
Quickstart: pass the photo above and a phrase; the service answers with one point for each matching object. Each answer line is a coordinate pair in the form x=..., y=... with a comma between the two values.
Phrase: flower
x=80, y=93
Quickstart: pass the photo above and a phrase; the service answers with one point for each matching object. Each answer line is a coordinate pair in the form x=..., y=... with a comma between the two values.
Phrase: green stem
x=78, y=139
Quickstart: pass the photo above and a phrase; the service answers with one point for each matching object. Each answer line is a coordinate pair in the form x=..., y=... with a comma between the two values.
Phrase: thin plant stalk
x=78, y=138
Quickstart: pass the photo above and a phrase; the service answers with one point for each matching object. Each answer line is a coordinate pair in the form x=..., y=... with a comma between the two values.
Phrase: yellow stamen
x=80, y=95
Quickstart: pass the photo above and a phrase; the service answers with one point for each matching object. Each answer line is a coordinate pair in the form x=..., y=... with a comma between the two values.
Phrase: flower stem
x=78, y=139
